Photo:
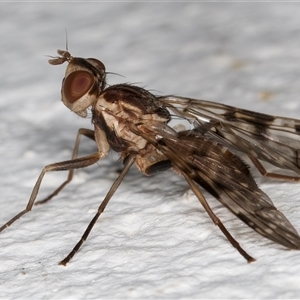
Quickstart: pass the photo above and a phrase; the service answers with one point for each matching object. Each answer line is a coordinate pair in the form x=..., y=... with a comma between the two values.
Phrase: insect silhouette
x=135, y=123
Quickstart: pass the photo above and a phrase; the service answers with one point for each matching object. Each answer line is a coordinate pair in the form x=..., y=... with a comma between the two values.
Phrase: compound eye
x=77, y=84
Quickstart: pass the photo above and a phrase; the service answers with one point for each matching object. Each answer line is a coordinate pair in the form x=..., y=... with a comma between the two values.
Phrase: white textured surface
x=154, y=240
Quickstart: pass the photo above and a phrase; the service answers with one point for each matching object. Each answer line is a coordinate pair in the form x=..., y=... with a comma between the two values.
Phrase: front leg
x=68, y=165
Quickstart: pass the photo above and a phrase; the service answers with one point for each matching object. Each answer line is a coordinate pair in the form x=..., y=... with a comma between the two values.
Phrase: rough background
x=154, y=240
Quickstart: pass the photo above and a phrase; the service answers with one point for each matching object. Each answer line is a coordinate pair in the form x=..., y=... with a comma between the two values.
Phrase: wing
x=269, y=138
x=228, y=179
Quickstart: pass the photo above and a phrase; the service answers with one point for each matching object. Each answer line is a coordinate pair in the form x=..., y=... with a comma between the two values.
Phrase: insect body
x=135, y=123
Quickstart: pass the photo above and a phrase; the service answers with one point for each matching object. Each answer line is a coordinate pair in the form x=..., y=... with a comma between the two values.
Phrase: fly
x=136, y=124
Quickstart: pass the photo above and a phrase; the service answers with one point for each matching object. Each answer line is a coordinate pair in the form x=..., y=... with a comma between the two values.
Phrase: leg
x=265, y=173
x=82, y=131
x=216, y=220
x=100, y=210
x=60, y=166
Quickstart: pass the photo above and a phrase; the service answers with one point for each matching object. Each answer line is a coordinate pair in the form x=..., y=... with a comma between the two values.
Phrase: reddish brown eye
x=77, y=84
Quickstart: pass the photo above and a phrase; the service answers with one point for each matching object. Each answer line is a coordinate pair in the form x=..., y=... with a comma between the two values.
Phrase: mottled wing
x=269, y=138
x=228, y=179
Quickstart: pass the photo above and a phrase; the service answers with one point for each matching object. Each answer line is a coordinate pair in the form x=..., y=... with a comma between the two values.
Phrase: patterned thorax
x=122, y=107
